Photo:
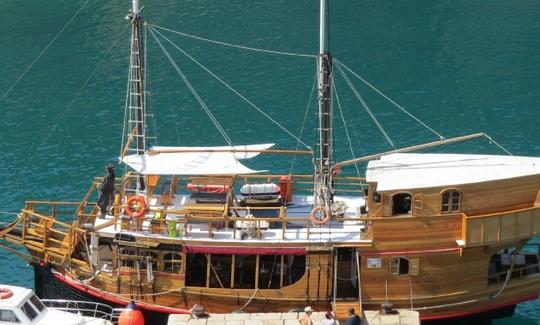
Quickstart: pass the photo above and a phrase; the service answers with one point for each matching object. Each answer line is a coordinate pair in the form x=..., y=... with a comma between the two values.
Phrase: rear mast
x=324, y=189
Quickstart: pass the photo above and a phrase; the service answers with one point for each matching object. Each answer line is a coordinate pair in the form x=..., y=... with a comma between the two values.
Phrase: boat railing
x=40, y=220
x=85, y=308
x=243, y=220
x=44, y=218
x=304, y=183
x=301, y=183
x=500, y=227
x=517, y=273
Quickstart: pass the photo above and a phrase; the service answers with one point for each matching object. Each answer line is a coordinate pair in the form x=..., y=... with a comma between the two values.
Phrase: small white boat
x=21, y=306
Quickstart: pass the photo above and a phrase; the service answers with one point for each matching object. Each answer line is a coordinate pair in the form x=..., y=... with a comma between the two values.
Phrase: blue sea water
x=460, y=66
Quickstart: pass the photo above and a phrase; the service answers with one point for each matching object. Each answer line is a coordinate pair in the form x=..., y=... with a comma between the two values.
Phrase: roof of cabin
x=19, y=294
x=416, y=170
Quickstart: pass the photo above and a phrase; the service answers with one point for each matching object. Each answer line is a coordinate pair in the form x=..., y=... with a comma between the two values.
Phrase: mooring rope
x=43, y=51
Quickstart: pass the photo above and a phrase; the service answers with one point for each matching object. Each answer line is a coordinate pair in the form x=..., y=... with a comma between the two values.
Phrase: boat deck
x=267, y=225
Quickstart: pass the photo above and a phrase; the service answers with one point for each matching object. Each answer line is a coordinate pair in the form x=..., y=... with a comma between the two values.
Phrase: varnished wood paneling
x=415, y=232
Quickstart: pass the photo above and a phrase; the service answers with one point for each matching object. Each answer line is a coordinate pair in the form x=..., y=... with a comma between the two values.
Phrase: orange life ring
x=5, y=293
x=135, y=206
x=322, y=221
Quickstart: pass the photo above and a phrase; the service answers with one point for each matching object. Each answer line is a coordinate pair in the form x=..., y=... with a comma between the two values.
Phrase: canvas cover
x=195, y=160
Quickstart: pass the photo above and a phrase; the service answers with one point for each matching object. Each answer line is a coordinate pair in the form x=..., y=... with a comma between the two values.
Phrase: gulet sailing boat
x=439, y=233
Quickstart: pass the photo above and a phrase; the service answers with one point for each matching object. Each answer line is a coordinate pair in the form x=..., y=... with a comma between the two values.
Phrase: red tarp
x=299, y=251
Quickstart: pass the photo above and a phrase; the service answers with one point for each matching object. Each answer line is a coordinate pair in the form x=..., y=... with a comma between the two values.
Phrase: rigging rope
x=126, y=112
x=193, y=91
x=53, y=126
x=229, y=87
x=234, y=45
x=347, y=132
x=6, y=212
x=366, y=107
x=340, y=64
x=497, y=144
x=304, y=121
x=43, y=51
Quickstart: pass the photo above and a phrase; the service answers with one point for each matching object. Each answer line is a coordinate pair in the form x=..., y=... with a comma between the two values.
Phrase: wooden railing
x=183, y=219
x=497, y=228
x=59, y=225
x=517, y=273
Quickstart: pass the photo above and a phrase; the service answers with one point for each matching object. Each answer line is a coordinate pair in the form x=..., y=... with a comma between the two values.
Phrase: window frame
x=397, y=267
x=447, y=206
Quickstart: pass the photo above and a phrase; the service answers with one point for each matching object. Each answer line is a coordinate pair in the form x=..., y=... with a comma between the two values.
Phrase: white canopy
x=414, y=170
x=195, y=160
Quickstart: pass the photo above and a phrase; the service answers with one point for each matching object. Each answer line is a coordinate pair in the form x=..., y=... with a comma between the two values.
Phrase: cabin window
x=8, y=316
x=398, y=265
x=37, y=303
x=402, y=266
x=401, y=203
x=172, y=262
x=240, y=271
x=451, y=201
x=149, y=258
x=220, y=271
x=269, y=271
x=126, y=255
x=30, y=312
x=196, y=267
x=244, y=277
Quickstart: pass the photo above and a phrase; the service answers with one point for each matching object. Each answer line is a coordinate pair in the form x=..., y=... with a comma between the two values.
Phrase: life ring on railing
x=135, y=206
x=5, y=293
x=323, y=220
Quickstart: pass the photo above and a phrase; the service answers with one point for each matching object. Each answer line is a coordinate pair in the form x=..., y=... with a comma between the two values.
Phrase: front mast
x=136, y=91
x=324, y=191
x=137, y=114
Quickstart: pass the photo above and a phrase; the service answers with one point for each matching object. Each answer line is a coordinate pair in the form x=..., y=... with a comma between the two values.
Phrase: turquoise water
x=460, y=66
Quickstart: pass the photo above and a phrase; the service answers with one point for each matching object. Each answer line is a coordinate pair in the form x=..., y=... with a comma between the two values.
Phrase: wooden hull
x=446, y=266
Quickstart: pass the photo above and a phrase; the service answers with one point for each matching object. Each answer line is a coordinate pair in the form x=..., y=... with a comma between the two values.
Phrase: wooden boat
x=443, y=234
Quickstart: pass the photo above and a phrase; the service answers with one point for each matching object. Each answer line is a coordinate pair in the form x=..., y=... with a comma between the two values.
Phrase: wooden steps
x=341, y=308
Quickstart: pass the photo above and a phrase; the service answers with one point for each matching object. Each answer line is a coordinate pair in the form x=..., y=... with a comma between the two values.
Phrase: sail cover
x=422, y=170
x=195, y=160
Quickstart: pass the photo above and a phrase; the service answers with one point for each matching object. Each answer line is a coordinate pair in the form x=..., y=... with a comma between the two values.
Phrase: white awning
x=195, y=160
x=411, y=170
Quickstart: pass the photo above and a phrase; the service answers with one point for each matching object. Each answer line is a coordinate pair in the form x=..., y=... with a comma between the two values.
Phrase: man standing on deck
x=306, y=319
x=106, y=190
x=353, y=318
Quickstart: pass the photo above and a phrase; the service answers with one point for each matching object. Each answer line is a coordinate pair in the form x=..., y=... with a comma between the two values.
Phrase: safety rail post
x=308, y=228
x=24, y=225
x=282, y=214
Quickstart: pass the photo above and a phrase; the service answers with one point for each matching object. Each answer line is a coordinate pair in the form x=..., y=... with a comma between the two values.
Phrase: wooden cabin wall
x=476, y=199
x=440, y=276
x=411, y=233
x=495, y=196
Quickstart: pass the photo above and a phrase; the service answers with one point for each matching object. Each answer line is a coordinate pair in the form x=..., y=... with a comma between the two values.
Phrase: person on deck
x=306, y=319
x=353, y=318
x=106, y=190
x=329, y=319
